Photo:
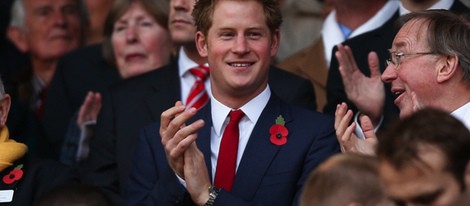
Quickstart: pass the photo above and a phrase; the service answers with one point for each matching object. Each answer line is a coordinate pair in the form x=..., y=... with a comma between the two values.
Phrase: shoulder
x=159, y=76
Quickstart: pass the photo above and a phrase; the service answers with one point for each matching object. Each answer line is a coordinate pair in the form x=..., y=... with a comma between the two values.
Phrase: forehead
x=32, y=4
x=228, y=13
x=412, y=36
x=416, y=177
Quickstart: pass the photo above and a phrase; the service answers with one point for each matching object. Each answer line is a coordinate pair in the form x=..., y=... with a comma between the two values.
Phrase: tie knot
x=200, y=72
x=236, y=115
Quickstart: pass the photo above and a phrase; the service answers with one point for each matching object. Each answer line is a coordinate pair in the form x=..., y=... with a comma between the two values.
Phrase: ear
x=4, y=109
x=201, y=44
x=447, y=67
x=275, y=42
x=18, y=37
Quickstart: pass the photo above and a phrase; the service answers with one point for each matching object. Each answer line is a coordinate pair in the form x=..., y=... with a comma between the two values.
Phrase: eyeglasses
x=396, y=57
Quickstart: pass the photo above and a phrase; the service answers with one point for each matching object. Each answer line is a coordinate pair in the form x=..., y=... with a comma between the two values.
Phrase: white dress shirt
x=332, y=34
x=442, y=4
x=219, y=112
x=463, y=114
x=187, y=79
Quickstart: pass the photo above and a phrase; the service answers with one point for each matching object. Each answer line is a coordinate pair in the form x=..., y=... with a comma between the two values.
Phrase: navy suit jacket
x=267, y=174
x=136, y=102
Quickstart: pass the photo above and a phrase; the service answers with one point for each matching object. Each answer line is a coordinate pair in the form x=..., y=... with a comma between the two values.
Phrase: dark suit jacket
x=39, y=177
x=378, y=40
x=267, y=175
x=78, y=72
x=136, y=102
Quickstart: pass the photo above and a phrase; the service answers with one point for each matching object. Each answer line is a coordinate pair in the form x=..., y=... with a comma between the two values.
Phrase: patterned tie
x=198, y=97
x=227, y=160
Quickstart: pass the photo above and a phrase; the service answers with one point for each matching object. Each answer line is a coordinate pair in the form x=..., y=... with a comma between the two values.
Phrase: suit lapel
x=204, y=135
x=259, y=152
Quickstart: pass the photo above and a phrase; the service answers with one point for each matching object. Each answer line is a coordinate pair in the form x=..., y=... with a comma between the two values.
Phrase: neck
x=44, y=69
x=193, y=54
x=353, y=14
x=413, y=5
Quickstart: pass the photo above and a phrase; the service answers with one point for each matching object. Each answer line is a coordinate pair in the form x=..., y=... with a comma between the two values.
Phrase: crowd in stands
x=235, y=102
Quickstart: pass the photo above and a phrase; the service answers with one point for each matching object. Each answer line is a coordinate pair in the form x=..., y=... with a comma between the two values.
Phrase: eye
x=44, y=11
x=146, y=23
x=227, y=35
x=70, y=9
x=254, y=35
x=119, y=27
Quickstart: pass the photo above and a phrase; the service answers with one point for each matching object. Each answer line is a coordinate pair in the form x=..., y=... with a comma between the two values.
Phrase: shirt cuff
x=358, y=130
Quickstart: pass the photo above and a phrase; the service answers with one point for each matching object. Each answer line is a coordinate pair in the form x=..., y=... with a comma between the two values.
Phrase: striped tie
x=198, y=97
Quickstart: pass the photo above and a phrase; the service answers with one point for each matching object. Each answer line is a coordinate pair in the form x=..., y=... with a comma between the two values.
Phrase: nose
x=389, y=74
x=240, y=45
x=131, y=34
x=179, y=4
x=59, y=18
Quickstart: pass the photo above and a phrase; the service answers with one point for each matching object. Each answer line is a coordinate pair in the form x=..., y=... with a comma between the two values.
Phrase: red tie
x=227, y=160
x=198, y=97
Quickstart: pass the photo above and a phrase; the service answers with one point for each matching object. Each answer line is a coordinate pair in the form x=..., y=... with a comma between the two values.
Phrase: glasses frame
x=395, y=57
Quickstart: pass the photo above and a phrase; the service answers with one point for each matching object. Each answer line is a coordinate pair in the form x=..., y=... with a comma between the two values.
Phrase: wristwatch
x=213, y=192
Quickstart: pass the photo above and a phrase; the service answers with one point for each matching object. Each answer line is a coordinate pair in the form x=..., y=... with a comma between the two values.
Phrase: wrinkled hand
x=176, y=136
x=345, y=133
x=89, y=109
x=196, y=175
x=367, y=93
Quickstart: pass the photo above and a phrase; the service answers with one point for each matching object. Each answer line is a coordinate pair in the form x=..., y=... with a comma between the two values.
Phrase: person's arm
x=151, y=180
x=100, y=169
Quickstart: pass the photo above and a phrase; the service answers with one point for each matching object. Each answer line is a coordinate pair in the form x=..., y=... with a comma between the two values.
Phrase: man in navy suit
x=278, y=144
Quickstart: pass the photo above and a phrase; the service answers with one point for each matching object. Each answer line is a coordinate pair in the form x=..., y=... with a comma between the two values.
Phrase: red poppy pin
x=279, y=132
x=14, y=175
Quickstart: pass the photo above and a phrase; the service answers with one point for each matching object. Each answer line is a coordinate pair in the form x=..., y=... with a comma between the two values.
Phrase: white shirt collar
x=384, y=14
x=463, y=114
x=251, y=109
x=184, y=62
x=442, y=4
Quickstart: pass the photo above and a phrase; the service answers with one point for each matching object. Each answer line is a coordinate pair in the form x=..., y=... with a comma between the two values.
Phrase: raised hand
x=367, y=93
x=177, y=136
x=345, y=132
x=89, y=109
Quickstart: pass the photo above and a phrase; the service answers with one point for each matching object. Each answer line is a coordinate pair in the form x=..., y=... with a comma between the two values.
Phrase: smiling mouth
x=240, y=64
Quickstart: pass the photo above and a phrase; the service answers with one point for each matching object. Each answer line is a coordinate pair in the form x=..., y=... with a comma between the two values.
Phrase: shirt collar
x=463, y=114
x=251, y=109
x=442, y=4
x=184, y=62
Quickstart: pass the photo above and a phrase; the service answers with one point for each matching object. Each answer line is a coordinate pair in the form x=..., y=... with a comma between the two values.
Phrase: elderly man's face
x=53, y=27
x=181, y=23
x=413, y=71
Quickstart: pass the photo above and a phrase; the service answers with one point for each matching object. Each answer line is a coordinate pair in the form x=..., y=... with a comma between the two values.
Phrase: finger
x=344, y=123
x=374, y=65
x=186, y=131
x=348, y=133
x=350, y=58
x=166, y=117
x=339, y=113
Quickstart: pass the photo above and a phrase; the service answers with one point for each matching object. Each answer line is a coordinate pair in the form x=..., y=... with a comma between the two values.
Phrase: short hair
x=400, y=144
x=18, y=15
x=448, y=34
x=74, y=195
x=204, y=10
x=343, y=179
x=158, y=9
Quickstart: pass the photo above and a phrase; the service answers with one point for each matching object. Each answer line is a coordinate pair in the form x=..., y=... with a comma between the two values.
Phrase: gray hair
x=18, y=15
x=448, y=34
